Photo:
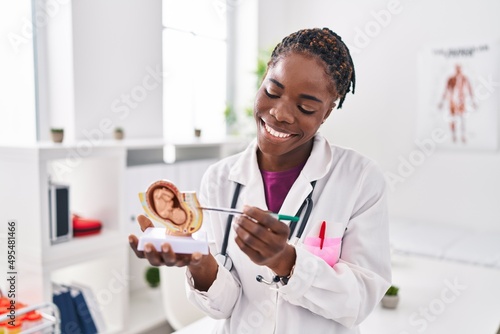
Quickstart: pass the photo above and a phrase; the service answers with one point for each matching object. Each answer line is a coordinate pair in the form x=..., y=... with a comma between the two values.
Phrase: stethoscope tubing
x=225, y=241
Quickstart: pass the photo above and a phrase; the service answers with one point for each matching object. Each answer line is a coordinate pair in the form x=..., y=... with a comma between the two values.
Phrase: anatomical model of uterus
x=179, y=211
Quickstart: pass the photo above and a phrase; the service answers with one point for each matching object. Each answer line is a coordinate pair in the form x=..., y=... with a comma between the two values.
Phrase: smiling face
x=295, y=97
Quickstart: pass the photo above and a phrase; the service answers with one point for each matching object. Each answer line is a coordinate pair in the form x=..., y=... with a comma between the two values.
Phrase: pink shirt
x=277, y=185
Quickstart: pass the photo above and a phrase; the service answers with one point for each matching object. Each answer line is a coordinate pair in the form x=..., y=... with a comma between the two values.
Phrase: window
x=194, y=65
x=17, y=79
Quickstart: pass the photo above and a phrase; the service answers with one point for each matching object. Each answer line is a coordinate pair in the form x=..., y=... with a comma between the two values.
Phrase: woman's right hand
x=202, y=267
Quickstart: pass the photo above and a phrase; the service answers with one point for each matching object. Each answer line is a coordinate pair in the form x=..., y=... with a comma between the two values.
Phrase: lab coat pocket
x=330, y=252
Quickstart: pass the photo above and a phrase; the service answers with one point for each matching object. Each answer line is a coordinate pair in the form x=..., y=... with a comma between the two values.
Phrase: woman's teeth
x=276, y=133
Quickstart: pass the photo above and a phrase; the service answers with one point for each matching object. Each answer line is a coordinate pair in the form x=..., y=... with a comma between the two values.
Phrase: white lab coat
x=350, y=196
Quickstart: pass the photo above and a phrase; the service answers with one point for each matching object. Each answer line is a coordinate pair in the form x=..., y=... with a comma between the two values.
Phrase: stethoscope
x=224, y=259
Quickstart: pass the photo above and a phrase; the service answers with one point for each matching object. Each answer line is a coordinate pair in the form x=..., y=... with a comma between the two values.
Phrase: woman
x=290, y=166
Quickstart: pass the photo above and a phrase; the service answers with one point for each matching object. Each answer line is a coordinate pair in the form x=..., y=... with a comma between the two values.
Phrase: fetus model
x=179, y=211
x=167, y=206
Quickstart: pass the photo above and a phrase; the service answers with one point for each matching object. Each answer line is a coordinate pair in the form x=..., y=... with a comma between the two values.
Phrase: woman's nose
x=282, y=114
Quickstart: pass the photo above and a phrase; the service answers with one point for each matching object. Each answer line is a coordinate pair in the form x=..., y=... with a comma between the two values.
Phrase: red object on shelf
x=85, y=226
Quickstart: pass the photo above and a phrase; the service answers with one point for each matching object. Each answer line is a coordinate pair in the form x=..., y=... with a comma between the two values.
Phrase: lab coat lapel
x=246, y=172
x=316, y=167
x=296, y=196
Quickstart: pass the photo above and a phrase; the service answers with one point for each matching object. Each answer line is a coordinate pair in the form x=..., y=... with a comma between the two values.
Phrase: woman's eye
x=270, y=95
x=305, y=111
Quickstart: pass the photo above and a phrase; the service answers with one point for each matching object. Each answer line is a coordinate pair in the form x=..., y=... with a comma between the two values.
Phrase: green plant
x=249, y=112
x=230, y=115
x=152, y=276
x=262, y=59
x=118, y=129
x=392, y=291
x=56, y=130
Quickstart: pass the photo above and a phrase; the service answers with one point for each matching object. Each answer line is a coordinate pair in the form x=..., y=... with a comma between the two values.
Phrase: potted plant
x=262, y=59
x=57, y=135
x=391, y=297
x=118, y=133
x=231, y=120
x=152, y=276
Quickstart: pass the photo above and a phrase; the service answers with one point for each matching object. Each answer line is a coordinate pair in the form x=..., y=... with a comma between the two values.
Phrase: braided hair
x=326, y=45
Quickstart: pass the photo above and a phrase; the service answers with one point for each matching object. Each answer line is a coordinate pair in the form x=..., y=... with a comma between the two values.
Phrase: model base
x=179, y=244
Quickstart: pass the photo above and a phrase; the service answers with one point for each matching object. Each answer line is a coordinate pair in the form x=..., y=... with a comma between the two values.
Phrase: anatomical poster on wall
x=459, y=96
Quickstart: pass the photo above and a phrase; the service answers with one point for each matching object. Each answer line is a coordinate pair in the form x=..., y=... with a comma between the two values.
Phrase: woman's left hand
x=265, y=240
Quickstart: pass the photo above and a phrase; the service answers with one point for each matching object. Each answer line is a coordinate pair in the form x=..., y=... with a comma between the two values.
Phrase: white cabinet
x=95, y=179
x=101, y=187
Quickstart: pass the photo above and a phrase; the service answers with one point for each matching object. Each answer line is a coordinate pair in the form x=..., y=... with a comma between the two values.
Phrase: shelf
x=145, y=310
x=80, y=249
x=130, y=144
x=83, y=249
x=137, y=151
x=143, y=152
x=104, y=281
x=72, y=154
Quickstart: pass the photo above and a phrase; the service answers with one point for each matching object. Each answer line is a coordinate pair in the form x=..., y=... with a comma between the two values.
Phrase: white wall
x=453, y=187
x=117, y=47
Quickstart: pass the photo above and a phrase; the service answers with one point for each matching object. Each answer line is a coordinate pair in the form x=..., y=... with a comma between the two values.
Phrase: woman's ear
x=329, y=112
x=334, y=104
